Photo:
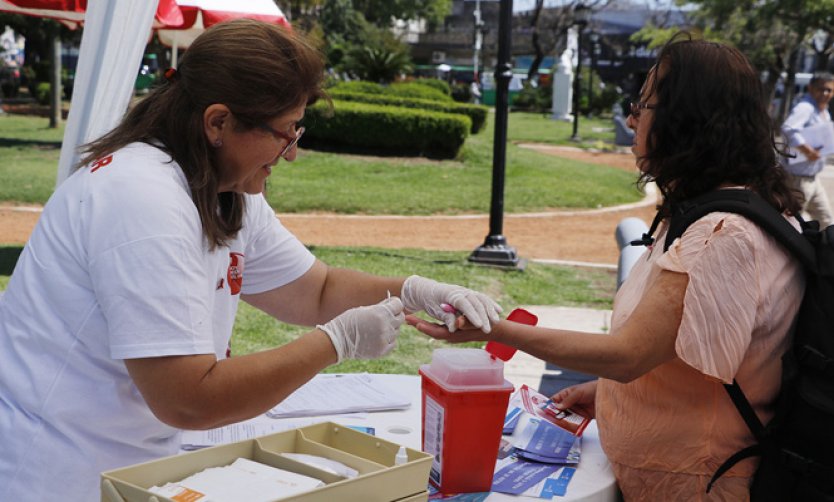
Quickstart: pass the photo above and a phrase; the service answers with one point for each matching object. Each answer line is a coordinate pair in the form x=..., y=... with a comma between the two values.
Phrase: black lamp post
x=581, y=14
x=495, y=250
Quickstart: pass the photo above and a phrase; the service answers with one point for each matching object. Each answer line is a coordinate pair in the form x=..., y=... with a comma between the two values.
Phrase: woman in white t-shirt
x=115, y=325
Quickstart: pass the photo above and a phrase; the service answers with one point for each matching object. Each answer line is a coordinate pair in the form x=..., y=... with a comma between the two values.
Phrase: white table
x=593, y=481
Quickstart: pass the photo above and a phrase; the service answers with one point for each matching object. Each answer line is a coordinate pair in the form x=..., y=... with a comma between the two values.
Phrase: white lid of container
x=465, y=368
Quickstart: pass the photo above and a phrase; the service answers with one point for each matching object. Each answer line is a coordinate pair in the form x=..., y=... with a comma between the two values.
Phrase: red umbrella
x=200, y=14
x=71, y=12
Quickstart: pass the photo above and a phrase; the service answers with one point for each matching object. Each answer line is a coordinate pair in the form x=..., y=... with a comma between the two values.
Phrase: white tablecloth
x=593, y=481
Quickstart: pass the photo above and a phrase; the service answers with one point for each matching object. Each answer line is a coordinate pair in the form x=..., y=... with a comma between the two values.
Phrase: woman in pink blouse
x=717, y=306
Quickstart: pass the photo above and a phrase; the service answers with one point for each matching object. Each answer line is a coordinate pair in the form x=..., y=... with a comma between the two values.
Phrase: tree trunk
x=55, y=79
x=533, y=72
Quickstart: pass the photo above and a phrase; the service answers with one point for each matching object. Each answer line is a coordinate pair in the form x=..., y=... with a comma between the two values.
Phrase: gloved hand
x=419, y=293
x=366, y=332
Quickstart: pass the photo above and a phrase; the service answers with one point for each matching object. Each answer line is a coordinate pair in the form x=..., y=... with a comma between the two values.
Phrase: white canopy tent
x=115, y=35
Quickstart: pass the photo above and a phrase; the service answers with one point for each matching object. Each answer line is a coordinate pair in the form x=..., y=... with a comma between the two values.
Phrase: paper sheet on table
x=819, y=137
x=195, y=440
x=344, y=393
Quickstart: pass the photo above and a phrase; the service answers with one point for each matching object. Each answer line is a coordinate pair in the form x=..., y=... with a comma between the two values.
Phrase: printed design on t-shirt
x=99, y=163
x=235, y=275
x=220, y=283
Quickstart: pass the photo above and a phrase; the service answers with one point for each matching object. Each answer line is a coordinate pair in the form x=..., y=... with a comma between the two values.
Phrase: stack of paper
x=337, y=394
x=244, y=479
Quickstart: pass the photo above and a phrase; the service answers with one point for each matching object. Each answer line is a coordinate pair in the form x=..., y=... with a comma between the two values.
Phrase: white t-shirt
x=116, y=268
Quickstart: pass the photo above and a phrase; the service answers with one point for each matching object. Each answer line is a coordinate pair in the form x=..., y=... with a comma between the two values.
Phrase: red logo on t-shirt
x=98, y=164
x=235, y=275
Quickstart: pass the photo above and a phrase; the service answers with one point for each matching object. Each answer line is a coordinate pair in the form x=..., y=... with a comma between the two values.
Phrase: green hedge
x=360, y=126
x=476, y=113
x=436, y=83
x=415, y=89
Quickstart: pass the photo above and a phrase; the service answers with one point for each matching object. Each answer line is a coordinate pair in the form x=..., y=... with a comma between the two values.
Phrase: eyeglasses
x=291, y=140
x=637, y=108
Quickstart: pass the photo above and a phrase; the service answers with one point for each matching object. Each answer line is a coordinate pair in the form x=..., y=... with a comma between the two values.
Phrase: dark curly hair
x=711, y=126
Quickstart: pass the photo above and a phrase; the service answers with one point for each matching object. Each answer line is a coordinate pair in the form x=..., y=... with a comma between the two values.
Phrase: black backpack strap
x=751, y=206
x=648, y=237
x=751, y=451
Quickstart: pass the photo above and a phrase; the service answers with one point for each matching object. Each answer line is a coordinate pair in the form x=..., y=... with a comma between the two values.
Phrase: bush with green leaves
x=462, y=93
x=43, y=91
x=357, y=86
x=417, y=90
x=436, y=83
x=534, y=99
x=476, y=113
x=365, y=126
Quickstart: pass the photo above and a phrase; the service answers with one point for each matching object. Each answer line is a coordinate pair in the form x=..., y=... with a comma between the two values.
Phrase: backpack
x=796, y=448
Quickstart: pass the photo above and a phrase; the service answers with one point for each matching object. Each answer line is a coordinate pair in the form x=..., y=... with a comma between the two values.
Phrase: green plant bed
x=409, y=130
x=476, y=113
x=322, y=181
x=539, y=284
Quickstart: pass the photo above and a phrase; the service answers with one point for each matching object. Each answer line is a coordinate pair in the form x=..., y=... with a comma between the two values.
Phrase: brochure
x=540, y=406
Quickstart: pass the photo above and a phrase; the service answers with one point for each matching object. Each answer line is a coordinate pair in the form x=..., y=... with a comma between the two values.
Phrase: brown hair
x=711, y=125
x=258, y=70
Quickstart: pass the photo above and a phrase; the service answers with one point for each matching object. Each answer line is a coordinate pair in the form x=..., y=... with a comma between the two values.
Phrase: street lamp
x=495, y=250
x=581, y=15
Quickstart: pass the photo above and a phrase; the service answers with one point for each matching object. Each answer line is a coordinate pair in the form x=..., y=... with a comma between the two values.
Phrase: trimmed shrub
x=476, y=113
x=416, y=90
x=43, y=91
x=365, y=126
x=359, y=86
x=436, y=83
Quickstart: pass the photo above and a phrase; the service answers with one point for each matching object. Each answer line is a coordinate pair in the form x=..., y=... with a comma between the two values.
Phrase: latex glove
x=419, y=293
x=366, y=332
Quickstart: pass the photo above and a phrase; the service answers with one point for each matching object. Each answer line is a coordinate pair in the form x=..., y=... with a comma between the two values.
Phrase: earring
x=218, y=143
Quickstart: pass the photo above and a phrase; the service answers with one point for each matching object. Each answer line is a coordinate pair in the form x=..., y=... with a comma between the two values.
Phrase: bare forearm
x=597, y=354
x=345, y=289
x=198, y=392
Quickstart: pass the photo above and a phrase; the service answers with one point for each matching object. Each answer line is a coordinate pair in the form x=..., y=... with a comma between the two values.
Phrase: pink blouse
x=669, y=430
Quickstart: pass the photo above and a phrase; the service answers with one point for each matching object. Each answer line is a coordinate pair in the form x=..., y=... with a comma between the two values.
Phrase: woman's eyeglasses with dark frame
x=637, y=108
x=291, y=140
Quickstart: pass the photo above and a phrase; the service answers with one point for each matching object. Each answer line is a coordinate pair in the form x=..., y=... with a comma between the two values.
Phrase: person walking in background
x=811, y=110
x=115, y=327
x=717, y=306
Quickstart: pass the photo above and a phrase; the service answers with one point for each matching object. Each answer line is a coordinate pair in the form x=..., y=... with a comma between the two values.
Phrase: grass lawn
x=539, y=284
x=319, y=181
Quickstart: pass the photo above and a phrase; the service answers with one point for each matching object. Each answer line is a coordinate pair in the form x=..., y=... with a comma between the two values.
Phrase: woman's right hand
x=580, y=398
x=366, y=332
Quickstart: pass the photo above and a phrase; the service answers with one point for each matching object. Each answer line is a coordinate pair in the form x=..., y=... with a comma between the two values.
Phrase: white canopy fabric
x=114, y=39
x=200, y=14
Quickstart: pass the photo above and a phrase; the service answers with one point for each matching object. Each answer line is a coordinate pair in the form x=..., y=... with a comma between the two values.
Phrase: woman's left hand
x=464, y=330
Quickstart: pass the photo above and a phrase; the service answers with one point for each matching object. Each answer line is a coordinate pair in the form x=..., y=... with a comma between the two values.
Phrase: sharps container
x=465, y=399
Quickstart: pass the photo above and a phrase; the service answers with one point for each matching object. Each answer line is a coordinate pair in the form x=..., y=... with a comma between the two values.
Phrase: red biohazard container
x=465, y=400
